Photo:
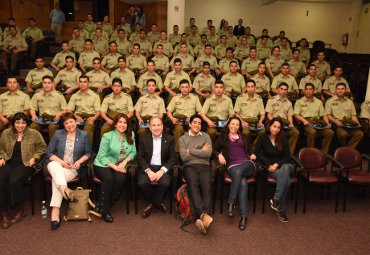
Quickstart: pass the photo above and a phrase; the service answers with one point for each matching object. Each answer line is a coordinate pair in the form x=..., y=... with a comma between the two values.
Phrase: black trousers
x=13, y=177
x=111, y=187
x=199, y=178
x=154, y=193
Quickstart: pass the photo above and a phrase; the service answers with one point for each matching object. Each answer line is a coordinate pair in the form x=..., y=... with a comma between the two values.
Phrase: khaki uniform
x=167, y=47
x=322, y=68
x=304, y=55
x=134, y=37
x=365, y=114
x=262, y=83
x=297, y=67
x=233, y=82
x=111, y=60
x=214, y=40
x=123, y=47
x=288, y=79
x=174, y=39
x=68, y=77
x=177, y=49
x=89, y=26
x=146, y=76
x=50, y=105
x=263, y=52
x=315, y=81
x=136, y=61
x=85, y=104
x=153, y=37
x=60, y=58
x=232, y=41
x=199, y=49
x=84, y=34
x=127, y=77
x=117, y=103
x=107, y=28
x=7, y=33
x=332, y=81
x=104, y=36
x=218, y=108
x=193, y=40
x=101, y=45
x=286, y=53
x=250, y=41
x=341, y=109
x=173, y=79
x=220, y=51
x=98, y=78
x=126, y=28
x=86, y=58
x=11, y=104
x=183, y=105
x=12, y=43
x=145, y=47
x=186, y=61
x=309, y=109
x=77, y=44
x=203, y=82
x=242, y=52
x=274, y=64
x=251, y=65
x=35, y=75
x=36, y=34
x=161, y=63
x=269, y=43
x=225, y=64
x=210, y=58
x=283, y=108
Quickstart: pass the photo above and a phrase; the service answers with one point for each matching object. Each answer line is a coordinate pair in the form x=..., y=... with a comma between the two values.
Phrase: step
x=24, y=72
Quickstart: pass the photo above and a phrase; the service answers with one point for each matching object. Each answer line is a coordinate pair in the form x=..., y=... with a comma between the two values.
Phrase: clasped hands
x=155, y=176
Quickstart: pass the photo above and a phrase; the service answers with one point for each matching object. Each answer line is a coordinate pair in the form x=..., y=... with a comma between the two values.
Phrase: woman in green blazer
x=117, y=148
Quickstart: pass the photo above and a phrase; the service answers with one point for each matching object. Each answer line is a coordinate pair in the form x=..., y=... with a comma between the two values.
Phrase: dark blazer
x=57, y=145
x=168, y=154
x=239, y=31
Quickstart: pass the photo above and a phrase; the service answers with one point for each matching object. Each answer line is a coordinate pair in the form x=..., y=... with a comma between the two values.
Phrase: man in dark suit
x=156, y=157
x=239, y=29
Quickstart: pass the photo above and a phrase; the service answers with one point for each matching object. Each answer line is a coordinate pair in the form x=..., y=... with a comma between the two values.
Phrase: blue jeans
x=239, y=185
x=283, y=179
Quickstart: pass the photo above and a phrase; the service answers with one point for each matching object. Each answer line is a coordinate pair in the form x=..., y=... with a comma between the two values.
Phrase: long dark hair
x=226, y=131
x=128, y=132
x=279, y=137
x=19, y=116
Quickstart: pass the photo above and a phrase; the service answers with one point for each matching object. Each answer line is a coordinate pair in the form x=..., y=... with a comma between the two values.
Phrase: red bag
x=183, y=207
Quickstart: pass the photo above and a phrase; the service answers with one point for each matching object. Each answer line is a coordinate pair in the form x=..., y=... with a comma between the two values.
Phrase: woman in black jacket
x=272, y=150
x=233, y=151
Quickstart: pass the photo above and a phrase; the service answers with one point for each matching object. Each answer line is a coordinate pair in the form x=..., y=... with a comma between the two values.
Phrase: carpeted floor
x=319, y=231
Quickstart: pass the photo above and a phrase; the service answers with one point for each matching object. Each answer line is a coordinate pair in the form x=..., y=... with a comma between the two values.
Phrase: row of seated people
x=48, y=105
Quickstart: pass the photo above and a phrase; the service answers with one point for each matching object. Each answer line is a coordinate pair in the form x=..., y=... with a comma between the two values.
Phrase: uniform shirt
x=274, y=63
x=204, y=82
x=33, y=32
x=98, y=78
x=309, y=108
x=331, y=83
x=136, y=61
x=232, y=41
x=186, y=61
x=250, y=65
x=90, y=26
x=288, y=79
x=269, y=43
x=68, y=77
x=60, y=58
x=173, y=79
x=150, y=105
x=174, y=39
x=297, y=67
x=107, y=28
x=127, y=77
x=250, y=41
x=123, y=47
x=184, y=105
x=365, y=110
x=84, y=34
x=77, y=44
x=153, y=37
x=304, y=55
x=225, y=64
x=213, y=40
x=177, y=49
x=167, y=47
x=279, y=107
x=162, y=62
x=262, y=83
x=86, y=58
x=145, y=47
x=35, y=75
x=249, y=107
x=16, y=42
x=210, y=58
x=242, y=51
x=220, y=51
x=263, y=52
x=100, y=45
x=199, y=49
x=146, y=76
x=134, y=37
x=322, y=68
x=340, y=109
x=233, y=82
x=286, y=53
x=49, y=104
x=220, y=108
x=121, y=103
x=88, y=103
x=111, y=60
x=193, y=40
x=314, y=80
x=11, y=104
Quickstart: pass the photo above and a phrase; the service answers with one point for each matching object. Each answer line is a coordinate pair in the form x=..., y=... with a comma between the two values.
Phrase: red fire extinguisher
x=345, y=39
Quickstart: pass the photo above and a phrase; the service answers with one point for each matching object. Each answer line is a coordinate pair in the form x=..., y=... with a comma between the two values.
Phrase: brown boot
x=20, y=214
x=207, y=220
x=5, y=220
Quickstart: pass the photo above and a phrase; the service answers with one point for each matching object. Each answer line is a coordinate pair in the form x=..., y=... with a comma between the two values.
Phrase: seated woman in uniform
x=272, y=150
x=232, y=149
x=20, y=148
x=117, y=149
x=67, y=151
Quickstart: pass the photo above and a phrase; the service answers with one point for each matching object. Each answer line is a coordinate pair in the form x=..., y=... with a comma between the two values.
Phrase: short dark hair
x=47, y=77
x=67, y=116
x=283, y=84
x=177, y=60
x=117, y=80
x=309, y=84
x=151, y=80
x=84, y=76
x=340, y=84
x=250, y=80
x=196, y=116
x=69, y=57
x=184, y=81
x=206, y=63
x=19, y=116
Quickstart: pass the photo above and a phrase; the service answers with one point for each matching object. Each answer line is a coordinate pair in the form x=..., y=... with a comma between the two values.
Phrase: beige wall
x=325, y=21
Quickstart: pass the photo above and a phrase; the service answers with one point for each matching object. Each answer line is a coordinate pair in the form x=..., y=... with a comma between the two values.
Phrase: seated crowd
x=255, y=97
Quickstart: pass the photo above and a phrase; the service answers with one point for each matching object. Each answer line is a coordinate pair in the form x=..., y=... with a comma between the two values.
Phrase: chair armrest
x=297, y=162
x=335, y=162
x=365, y=156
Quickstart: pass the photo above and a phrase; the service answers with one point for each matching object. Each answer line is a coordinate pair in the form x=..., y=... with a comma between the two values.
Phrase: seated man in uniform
x=297, y=67
x=263, y=50
x=234, y=81
x=11, y=102
x=204, y=82
x=33, y=36
x=172, y=81
x=220, y=49
x=365, y=117
x=311, y=113
x=125, y=75
x=85, y=104
x=329, y=87
x=59, y=61
x=123, y=45
x=262, y=81
x=145, y=46
x=199, y=48
x=249, y=108
x=342, y=113
x=153, y=36
x=136, y=62
x=311, y=78
x=285, y=51
x=250, y=65
x=285, y=77
x=193, y=38
x=188, y=64
x=148, y=106
x=174, y=38
x=241, y=52
x=274, y=62
x=280, y=106
x=161, y=61
x=110, y=61
x=99, y=81
x=156, y=157
x=113, y=104
x=189, y=48
x=181, y=108
x=86, y=57
x=323, y=70
x=34, y=76
x=167, y=48
x=224, y=63
x=77, y=43
x=50, y=105
x=150, y=74
x=218, y=107
x=207, y=56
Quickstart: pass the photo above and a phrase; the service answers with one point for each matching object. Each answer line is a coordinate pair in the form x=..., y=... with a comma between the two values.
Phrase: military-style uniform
x=250, y=110
x=340, y=110
x=146, y=76
x=269, y=43
x=86, y=58
x=90, y=26
x=84, y=34
x=279, y=107
x=314, y=80
x=251, y=65
x=286, y=53
x=177, y=49
x=263, y=52
x=121, y=103
x=332, y=82
x=10, y=104
x=111, y=60
x=234, y=83
x=35, y=75
x=85, y=105
x=136, y=61
x=100, y=45
x=145, y=47
x=107, y=28
x=77, y=44
x=199, y=49
x=126, y=28
x=365, y=114
x=98, y=79
x=67, y=78
x=33, y=33
x=322, y=68
x=213, y=40
x=242, y=51
x=220, y=51
x=262, y=84
x=153, y=37
x=60, y=58
x=297, y=67
x=193, y=40
x=210, y=58
x=204, y=82
x=185, y=106
x=304, y=55
x=48, y=105
x=134, y=37
x=232, y=41
x=174, y=39
x=123, y=47
x=250, y=41
x=187, y=61
x=11, y=43
x=274, y=64
x=173, y=79
x=167, y=47
x=310, y=109
x=161, y=63
x=220, y=109
x=127, y=77
x=288, y=79
x=225, y=64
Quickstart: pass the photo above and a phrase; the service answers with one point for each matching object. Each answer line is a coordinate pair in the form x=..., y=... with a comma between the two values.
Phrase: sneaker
x=200, y=226
x=274, y=205
x=282, y=216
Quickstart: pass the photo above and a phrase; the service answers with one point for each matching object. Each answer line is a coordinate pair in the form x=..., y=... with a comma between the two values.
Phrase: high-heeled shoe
x=230, y=210
x=70, y=196
x=55, y=224
x=243, y=223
